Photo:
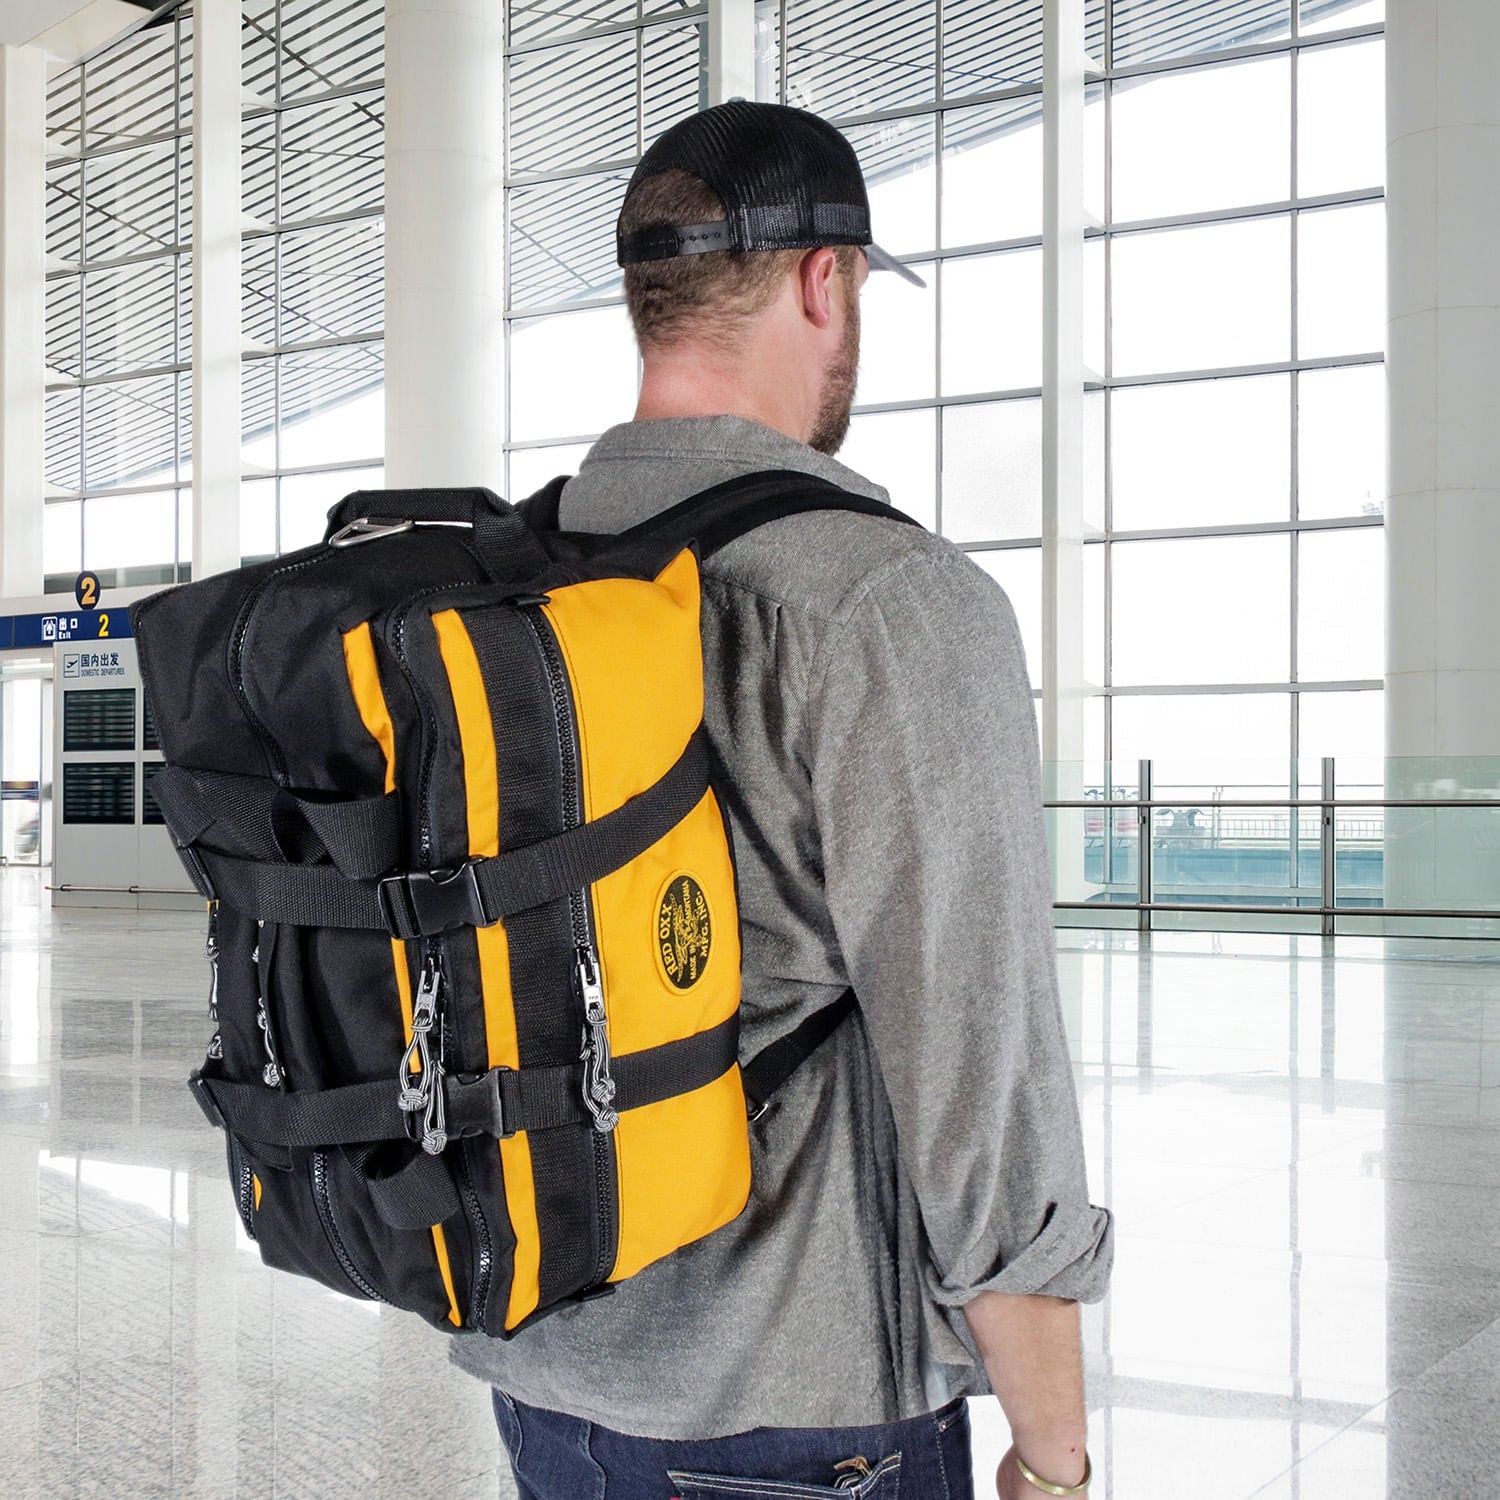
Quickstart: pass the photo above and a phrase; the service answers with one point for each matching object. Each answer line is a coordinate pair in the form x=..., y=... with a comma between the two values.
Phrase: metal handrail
x=1087, y=803
x=1327, y=908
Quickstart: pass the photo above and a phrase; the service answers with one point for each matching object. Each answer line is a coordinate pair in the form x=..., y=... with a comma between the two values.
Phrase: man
x=919, y=1190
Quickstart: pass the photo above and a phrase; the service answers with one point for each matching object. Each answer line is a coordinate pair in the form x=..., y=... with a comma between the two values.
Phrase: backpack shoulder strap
x=775, y=1064
x=715, y=517
x=709, y=519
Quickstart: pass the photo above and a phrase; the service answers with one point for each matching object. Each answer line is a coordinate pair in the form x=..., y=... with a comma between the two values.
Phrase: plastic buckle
x=475, y=1106
x=422, y=902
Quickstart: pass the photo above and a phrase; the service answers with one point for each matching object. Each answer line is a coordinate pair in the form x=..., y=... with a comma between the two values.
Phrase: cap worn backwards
x=788, y=181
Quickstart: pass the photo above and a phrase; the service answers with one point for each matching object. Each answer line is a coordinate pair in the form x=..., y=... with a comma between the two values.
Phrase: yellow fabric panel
x=633, y=724
x=684, y=1167
x=639, y=717
x=256, y=1181
x=482, y=796
x=374, y=713
x=476, y=733
x=645, y=1007
x=364, y=679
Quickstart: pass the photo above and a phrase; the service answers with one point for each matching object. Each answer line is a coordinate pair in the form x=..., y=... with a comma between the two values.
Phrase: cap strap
x=664, y=241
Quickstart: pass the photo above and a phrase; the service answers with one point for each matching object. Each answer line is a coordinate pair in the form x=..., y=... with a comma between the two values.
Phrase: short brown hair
x=714, y=296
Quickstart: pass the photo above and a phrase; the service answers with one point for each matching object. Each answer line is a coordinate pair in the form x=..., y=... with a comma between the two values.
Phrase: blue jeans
x=557, y=1457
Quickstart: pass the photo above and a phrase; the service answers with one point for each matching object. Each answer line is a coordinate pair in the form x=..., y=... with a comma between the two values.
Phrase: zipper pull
x=211, y=953
x=420, y=1075
x=272, y=1074
x=598, y=1084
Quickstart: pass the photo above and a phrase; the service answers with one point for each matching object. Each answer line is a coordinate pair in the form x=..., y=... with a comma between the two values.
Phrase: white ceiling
x=65, y=29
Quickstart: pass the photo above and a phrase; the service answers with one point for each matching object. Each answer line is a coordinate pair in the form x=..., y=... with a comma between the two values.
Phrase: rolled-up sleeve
x=921, y=744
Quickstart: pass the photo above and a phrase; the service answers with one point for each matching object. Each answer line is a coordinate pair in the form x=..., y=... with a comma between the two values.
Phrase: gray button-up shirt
x=867, y=693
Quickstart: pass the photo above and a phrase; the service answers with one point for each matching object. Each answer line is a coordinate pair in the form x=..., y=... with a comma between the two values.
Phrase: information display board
x=150, y=812
x=98, y=719
x=98, y=792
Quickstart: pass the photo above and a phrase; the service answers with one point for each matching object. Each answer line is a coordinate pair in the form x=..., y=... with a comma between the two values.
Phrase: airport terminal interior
x=1203, y=375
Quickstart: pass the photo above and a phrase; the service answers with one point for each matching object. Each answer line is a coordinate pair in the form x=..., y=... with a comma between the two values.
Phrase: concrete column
x=23, y=158
x=444, y=244
x=731, y=50
x=1442, y=686
x=1062, y=679
x=216, y=289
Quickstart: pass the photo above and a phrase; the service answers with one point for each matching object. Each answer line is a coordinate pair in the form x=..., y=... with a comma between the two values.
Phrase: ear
x=815, y=277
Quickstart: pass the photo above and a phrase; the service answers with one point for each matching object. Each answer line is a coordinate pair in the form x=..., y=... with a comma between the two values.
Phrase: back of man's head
x=722, y=208
x=714, y=298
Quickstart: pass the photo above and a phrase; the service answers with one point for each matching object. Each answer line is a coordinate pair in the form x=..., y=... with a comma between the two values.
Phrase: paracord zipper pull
x=211, y=953
x=598, y=1084
x=272, y=1075
x=421, y=1071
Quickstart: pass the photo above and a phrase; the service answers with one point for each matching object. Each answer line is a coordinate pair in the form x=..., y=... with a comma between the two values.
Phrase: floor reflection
x=1302, y=1148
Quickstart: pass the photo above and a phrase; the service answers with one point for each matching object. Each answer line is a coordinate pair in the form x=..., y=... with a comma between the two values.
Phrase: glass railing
x=1395, y=848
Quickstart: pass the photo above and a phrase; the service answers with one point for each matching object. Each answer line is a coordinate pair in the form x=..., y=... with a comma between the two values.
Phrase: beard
x=832, y=423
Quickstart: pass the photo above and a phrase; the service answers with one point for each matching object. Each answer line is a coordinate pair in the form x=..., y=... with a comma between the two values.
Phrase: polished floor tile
x=1301, y=1144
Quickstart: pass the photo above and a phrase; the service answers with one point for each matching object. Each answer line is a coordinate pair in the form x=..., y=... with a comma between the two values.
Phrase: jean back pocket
x=880, y=1482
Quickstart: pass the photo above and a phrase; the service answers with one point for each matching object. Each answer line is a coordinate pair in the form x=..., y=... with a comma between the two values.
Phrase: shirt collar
x=637, y=469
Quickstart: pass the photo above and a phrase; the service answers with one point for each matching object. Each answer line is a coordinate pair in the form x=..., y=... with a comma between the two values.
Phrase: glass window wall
x=312, y=155
x=118, y=311
x=1235, y=313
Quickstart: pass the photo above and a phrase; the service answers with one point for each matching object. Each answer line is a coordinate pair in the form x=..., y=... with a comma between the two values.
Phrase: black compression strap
x=545, y=1098
x=299, y=895
x=775, y=1064
x=321, y=896
x=362, y=835
x=344, y=1116
x=539, y=1098
x=529, y=876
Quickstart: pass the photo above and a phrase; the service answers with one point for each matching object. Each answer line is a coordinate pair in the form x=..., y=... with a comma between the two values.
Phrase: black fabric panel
x=291, y=656
x=548, y=1019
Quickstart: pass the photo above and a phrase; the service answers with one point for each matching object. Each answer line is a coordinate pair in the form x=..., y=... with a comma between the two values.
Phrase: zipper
x=247, y=1198
x=396, y=634
x=243, y=1180
x=435, y=962
x=414, y=1095
x=598, y=1084
x=318, y=1170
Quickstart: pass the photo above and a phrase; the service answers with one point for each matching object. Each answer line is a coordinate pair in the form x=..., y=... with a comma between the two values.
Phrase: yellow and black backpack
x=444, y=783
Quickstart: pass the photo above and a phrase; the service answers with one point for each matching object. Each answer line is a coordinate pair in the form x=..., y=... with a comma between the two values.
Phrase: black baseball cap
x=788, y=181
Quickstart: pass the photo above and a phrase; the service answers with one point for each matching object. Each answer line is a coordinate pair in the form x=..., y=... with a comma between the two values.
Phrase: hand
x=1011, y=1484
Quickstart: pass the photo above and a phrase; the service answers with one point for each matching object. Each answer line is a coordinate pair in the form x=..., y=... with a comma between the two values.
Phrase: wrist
x=1055, y=1460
